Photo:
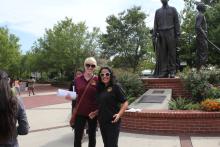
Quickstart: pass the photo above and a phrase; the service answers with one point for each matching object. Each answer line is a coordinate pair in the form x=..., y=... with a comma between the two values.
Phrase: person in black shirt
x=112, y=103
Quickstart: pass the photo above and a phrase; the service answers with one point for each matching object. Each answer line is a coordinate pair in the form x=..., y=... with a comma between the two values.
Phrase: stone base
x=152, y=102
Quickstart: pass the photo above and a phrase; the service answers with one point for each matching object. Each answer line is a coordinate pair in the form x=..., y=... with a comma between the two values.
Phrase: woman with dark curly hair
x=11, y=111
x=112, y=103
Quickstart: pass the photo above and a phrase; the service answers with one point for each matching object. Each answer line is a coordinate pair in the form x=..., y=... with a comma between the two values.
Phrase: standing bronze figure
x=166, y=36
x=201, y=37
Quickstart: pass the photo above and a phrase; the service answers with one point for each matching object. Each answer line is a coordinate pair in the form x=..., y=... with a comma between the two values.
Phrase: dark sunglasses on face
x=105, y=74
x=90, y=65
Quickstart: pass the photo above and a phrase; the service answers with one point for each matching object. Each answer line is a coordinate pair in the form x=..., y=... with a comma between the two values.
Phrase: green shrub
x=131, y=83
x=197, y=83
x=214, y=76
x=214, y=92
x=183, y=104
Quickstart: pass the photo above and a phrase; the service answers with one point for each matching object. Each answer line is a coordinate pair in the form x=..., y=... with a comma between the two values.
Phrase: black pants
x=110, y=133
x=79, y=128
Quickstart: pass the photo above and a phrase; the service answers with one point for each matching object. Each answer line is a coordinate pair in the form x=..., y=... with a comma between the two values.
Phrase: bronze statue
x=166, y=36
x=201, y=37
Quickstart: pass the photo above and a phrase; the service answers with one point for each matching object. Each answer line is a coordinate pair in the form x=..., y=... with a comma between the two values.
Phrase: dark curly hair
x=112, y=81
x=8, y=108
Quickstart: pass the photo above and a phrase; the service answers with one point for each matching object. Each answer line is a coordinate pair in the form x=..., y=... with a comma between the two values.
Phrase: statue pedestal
x=191, y=122
x=175, y=84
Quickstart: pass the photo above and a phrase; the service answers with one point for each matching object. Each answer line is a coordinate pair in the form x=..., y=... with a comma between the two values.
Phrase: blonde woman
x=85, y=87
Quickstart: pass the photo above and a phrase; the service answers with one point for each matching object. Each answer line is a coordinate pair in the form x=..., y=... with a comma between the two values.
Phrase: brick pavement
x=42, y=97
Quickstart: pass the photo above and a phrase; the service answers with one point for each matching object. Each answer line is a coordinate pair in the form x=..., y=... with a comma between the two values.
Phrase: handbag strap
x=84, y=92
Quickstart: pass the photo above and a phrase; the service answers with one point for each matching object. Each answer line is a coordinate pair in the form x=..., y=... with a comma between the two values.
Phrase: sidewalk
x=49, y=128
x=48, y=116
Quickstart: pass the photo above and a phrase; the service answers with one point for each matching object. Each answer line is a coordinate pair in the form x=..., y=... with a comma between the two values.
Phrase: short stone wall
x=172, y=122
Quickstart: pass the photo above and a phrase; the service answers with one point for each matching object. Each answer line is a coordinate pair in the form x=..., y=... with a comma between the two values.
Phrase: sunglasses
x=105, y=74
x=90, y=65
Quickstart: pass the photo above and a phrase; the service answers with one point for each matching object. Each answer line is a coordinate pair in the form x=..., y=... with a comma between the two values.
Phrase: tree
x=213, y=21
x=187, y=40
x=127, y=37
x=64, y=47
x=9, y=52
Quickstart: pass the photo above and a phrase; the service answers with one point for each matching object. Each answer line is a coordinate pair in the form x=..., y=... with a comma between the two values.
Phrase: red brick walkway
x=43, y=100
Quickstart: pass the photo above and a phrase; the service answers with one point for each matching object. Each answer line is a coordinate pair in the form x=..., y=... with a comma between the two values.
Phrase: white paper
x=62, y=92
x=133, y=110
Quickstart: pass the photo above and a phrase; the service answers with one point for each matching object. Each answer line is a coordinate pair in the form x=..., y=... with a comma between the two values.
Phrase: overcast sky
x=28, y=19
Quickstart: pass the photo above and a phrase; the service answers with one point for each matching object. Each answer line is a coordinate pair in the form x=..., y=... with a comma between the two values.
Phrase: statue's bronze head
x=164, y=2
x=201, y=7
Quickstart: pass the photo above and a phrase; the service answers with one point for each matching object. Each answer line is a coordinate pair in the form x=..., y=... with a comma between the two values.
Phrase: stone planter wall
x=172, y=122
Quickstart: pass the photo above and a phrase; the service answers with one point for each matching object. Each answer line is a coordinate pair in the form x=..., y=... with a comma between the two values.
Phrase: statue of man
x=201, y=37
x=166, y=33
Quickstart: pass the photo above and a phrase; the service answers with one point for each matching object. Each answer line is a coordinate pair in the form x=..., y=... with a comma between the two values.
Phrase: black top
x=109, y=100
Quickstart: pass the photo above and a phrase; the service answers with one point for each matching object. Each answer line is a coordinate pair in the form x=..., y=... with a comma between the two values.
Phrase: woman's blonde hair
x=90, y=60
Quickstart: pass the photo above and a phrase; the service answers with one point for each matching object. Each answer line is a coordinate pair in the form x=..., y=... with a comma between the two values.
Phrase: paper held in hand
x=62, y=92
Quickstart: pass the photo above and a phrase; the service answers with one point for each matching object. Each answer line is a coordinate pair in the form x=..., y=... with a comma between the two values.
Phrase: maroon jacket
x=88, y=103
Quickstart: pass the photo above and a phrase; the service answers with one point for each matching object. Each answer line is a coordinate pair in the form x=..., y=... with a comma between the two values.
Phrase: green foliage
x=127, y=38
x=197, y=83
x=214, y=92
x=183, y=104
x=213, y=21
x=10, y=54
x=131, y=83
x=63, y=48
x=145, y=64
x=214, y=76
x=187, y=40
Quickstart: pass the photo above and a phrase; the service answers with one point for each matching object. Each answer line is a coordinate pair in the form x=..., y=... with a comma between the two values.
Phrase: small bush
x=183, y=104
x=196, y=83
x=214, y=92
x=210, y=105
x=214, y=76
x=131, y=83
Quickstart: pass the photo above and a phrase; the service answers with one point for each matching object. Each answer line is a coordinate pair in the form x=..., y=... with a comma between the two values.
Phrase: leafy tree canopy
x=9, y=51
x=127, y=37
